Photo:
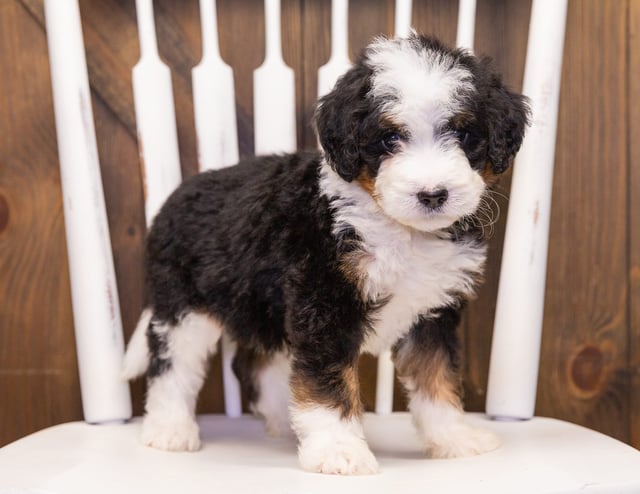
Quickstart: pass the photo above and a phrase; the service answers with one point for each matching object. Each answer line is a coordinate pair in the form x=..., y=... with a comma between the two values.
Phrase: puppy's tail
x=136, y=358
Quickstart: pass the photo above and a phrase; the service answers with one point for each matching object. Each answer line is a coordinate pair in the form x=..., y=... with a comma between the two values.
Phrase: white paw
x=182, y=435
x=347, y=456
x=460, y=440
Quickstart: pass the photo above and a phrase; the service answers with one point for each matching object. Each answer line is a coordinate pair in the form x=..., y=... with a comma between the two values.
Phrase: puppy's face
x=422, y=128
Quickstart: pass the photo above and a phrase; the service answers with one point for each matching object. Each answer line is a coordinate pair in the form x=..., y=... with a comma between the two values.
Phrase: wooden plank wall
x=633, y=92
x=591, y=342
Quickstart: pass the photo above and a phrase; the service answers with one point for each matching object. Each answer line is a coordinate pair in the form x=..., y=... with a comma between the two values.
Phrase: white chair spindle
x=403, y=18
x=230, y=384
x=217, y=136
x=384, y=384
x=155, y=116
x=339, y=61
x=466, y=24
x=96, y=308
x=274, y=102
x=214, y=98
x=515, y=351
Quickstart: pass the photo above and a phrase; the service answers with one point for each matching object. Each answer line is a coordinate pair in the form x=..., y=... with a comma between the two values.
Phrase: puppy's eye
x=390, y=141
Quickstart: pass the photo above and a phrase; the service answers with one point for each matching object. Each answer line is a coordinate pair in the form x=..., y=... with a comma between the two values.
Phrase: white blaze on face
x=421, y=90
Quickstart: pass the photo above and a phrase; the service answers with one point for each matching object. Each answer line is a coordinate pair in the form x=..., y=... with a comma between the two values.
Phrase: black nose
x=433, y=199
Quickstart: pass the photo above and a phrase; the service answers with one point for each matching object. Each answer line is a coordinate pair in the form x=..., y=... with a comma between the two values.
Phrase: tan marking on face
x=367, y=182
x=487, y=174
x=390, y=121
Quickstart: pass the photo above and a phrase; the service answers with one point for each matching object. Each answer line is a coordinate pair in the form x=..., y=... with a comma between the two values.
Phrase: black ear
x=507, y=118
x=337, y=120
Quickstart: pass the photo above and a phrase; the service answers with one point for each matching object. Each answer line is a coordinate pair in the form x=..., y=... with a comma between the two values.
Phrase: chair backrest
x=516, y=343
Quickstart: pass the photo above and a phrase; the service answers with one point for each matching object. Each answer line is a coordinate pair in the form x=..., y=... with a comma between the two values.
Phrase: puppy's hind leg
x=265, y=380
x=177, y=369
x=274, y=395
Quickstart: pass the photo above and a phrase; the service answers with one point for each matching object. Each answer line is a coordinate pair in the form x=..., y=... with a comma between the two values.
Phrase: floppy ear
x=507, y=117
x=337, y=121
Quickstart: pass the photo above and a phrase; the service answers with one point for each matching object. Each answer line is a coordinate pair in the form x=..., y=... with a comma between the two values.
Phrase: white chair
x=539, y=455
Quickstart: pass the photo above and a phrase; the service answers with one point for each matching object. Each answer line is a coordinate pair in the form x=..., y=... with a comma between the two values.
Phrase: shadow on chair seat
x=538, y=456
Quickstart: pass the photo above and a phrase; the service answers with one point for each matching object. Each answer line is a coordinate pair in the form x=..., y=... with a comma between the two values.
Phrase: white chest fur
x=416, y=273
x=413, y=271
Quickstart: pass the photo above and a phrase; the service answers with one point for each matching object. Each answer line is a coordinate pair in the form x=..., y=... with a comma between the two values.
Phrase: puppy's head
x=422, y=128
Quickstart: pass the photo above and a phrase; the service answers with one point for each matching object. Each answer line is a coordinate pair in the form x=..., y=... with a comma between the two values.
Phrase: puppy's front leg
x=326, y=414
x=426, y=362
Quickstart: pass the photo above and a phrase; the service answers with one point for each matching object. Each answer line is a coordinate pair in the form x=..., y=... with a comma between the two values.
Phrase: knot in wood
x=587, y=369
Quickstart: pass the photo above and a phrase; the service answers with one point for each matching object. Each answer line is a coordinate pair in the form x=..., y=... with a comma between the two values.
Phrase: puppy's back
x=225, y=240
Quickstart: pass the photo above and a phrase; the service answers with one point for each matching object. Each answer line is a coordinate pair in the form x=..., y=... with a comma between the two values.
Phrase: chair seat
x=538, y=456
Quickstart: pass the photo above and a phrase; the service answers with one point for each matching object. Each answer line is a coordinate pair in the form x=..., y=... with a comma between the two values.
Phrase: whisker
x=500, y=189
x=488, y=213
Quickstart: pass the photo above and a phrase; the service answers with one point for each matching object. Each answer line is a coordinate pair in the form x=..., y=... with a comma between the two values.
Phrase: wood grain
x=367, y=20
x=633, y=300
x=38, y=371
x=316, y=46
x=584, y=374
x=437, y=18
x=242, y=47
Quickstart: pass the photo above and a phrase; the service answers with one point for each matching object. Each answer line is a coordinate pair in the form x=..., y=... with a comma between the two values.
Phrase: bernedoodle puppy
x=310, y=259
